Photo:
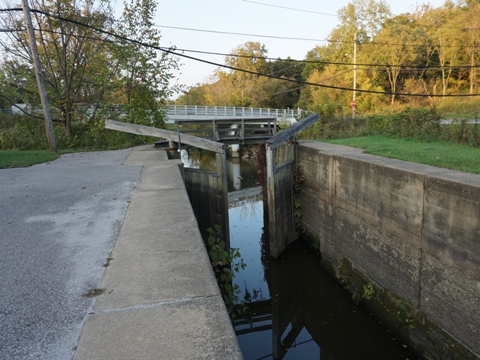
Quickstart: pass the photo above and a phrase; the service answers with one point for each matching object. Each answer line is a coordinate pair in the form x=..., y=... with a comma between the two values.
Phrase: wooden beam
x=166, y=134
x=291, y=131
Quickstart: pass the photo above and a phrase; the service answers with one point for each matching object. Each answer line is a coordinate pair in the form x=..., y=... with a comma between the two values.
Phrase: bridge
x=229, y=124
x=200, y=113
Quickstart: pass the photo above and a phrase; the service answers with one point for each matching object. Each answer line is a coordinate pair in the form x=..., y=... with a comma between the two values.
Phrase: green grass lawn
x=11, y=159
x=441, y=154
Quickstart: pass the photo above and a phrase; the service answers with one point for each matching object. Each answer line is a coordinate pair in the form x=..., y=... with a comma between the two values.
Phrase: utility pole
x=354, y=104
x=39, y=75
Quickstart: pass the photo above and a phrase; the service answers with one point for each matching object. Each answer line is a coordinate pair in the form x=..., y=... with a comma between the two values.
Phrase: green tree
x=469, y=18
x=144, y=73
x=245, y=89
x=397, y=46
x=86, y=70
x=364, y=20
x=69, y=54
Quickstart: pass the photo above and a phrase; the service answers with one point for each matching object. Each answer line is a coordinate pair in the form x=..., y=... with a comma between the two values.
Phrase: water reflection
x=294, y=309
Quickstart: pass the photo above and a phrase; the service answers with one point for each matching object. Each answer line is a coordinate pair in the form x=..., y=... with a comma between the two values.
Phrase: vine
x=225, y=264
x=298, y=179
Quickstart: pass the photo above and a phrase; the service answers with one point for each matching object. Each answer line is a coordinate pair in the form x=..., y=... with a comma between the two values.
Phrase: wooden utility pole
x=39, y=75
x=354, y=103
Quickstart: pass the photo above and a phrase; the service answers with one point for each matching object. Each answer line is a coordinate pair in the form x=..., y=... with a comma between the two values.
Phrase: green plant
x=368, y=291
x=405, y=315
x=316, y=245
x=298, y=179
x=94, y=292
x=225, y=264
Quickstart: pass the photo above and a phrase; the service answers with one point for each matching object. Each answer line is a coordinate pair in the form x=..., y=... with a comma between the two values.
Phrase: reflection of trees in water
x=257, y=153
x=200, y=159
x=253, y=295
x=247, y=208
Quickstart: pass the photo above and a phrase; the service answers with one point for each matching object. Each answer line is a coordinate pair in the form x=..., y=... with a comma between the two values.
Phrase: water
x=294, y=310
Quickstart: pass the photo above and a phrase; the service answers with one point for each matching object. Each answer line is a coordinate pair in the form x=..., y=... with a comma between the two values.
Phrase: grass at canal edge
x=13, y=159
x=441, y=154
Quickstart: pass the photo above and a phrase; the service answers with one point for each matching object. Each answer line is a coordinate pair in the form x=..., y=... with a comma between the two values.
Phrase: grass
x=12, y=158
x=442, y=154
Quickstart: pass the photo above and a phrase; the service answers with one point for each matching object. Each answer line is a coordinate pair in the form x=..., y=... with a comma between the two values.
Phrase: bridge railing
x=227, y=111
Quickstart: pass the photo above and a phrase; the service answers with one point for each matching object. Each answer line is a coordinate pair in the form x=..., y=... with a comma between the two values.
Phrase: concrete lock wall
x=408, y=231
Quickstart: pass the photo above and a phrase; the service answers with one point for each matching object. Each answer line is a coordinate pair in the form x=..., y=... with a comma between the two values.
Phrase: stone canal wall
x=404, y=238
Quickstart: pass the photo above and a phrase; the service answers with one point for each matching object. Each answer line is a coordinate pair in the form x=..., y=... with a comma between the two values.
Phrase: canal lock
x=285, y=308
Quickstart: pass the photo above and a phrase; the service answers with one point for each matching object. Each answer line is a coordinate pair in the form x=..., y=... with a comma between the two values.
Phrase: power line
x=405, y=67
x=321, y=62
x=301, y=38
x=239, y=34
x=290, y=38
x=172, y=51
x=336, y=15
x=289, y=8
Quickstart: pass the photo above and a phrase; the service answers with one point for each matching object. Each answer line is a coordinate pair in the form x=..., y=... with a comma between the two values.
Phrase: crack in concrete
x=153, y=305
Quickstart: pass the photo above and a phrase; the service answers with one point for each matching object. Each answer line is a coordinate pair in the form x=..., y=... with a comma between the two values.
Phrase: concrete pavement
x=58, y=224
x=160, y=297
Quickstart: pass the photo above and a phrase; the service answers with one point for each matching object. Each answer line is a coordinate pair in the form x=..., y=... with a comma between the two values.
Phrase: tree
x=67, y=53
x=279, y=93
x=445, y=41
x=363, y=19
x=145, y=74
x=469, y=18
x=397, y=46
x=85, y=69
x=244, y=89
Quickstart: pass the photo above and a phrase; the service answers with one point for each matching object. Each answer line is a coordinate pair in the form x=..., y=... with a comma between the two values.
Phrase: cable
x=302, y=39
x=289, y=38
x=333, y=62
x=171, y=51
x=289, y=8
x=407, y=67
x=358, y=17
x=239, y=34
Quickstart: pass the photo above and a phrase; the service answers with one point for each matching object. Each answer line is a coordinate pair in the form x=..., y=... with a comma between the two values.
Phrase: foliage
x=237, y=88
x=90, y=76
x=143, y=75
x=74, y=58
x=368, y=291
x=429, y=51
x=225, y=264
x=26, y=133
x=298, y=179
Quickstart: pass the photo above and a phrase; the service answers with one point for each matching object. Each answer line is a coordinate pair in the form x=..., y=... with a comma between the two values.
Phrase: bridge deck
x=232, y=130
x=192, y=112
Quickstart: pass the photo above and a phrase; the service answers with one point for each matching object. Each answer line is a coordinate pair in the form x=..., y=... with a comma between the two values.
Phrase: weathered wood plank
x=166, y=134
x=291, y=131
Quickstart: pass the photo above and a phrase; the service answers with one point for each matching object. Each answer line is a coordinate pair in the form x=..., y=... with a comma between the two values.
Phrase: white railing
x=229, y=111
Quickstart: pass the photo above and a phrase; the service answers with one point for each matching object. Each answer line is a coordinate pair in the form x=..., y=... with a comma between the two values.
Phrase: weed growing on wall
x=225, y=264
x=298, y=179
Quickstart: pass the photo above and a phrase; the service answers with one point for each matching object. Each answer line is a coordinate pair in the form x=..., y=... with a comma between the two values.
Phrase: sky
x=257, y=17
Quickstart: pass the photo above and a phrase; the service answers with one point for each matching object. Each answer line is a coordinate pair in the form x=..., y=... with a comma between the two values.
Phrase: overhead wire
x=173, y=52
x=289, y=8
x=336, y=15
x=301, y=38
x=406, y=67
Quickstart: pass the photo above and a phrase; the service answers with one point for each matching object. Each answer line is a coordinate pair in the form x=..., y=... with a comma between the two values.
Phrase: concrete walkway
x=161, y=300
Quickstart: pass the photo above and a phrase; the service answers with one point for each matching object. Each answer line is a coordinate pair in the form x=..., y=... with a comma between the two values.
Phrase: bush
x=25, y=133
x=423, y=124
